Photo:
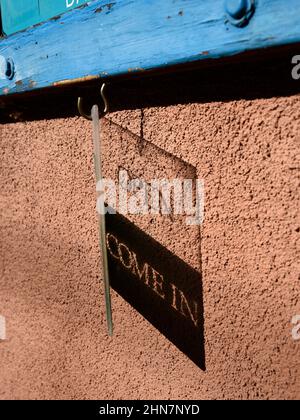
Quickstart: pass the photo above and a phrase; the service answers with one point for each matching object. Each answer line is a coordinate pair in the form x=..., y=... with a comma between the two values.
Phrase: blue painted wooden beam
x=126, y=36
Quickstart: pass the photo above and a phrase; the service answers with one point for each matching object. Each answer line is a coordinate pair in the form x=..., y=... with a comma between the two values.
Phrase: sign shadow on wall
x=158, y=284
x=165, y=289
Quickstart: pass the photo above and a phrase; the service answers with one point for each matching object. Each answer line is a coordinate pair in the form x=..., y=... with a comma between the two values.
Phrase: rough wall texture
x=50, y=291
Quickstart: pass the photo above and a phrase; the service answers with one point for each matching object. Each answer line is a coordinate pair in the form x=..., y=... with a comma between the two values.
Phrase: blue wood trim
x=125, y=36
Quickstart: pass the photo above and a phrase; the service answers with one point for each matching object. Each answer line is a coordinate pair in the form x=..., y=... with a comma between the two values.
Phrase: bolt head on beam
x=239, y=12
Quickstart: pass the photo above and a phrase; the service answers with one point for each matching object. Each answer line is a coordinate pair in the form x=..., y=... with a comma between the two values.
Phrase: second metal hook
x=89, y=116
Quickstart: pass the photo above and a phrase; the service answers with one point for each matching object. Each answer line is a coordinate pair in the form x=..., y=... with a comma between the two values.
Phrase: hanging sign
x=154, y=259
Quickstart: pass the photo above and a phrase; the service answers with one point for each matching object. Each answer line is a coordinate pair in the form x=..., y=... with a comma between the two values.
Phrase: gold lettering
x=153, y=279
x=158, y=282
x=142, y=274
x=184, y=307
x=124, y=247
x=110, y=237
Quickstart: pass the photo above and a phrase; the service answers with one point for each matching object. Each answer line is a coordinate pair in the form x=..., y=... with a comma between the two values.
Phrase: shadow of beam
x=260, y=74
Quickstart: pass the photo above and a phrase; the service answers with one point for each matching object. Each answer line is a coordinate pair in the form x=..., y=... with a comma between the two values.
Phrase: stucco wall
x=50, y=290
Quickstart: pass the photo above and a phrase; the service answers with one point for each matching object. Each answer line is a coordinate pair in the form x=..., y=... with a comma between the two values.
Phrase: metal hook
x=89, y=116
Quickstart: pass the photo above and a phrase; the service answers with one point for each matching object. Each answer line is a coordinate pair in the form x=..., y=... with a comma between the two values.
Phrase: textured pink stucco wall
x=50, y=290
